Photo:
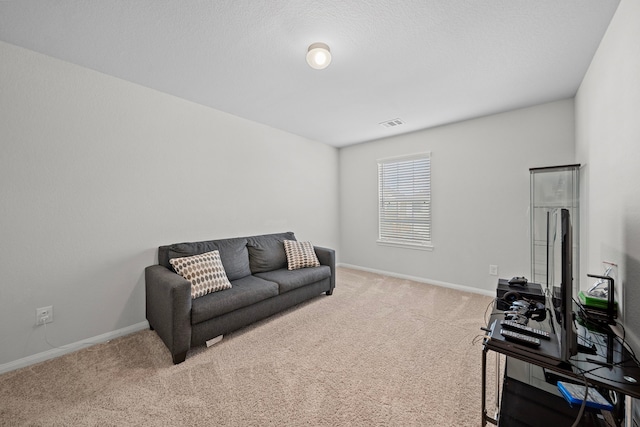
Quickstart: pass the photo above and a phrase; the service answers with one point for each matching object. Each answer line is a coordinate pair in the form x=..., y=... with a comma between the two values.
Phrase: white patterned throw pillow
x=300, y=254
x=205, y=272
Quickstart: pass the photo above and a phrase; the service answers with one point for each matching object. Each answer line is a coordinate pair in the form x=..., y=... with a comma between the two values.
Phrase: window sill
x=420, y=247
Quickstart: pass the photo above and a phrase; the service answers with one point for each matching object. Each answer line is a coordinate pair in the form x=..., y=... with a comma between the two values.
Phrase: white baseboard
x=69, y=348
x=422, y=280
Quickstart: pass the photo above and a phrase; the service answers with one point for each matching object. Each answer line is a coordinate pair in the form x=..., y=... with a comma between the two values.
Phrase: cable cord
x=46, y=339
x=65, y=347
x=586, y=392
x=486, y=311
x=576, y=423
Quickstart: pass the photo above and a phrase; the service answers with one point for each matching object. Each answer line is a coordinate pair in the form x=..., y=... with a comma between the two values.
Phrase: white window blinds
x=404, y=191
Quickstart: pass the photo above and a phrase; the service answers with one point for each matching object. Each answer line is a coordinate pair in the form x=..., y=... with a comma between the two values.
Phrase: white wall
x=480, y=195
x=608, y=143
x=96, y=173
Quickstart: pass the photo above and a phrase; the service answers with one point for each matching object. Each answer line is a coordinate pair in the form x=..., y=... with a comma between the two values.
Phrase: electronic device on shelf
x=518, y=281
x=533, y=291
x=527, y=330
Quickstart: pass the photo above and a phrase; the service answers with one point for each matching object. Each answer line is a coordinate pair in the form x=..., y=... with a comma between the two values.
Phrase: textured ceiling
x=427, y=62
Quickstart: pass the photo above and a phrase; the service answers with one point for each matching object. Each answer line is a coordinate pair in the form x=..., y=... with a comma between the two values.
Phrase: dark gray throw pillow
x=233, y=253
x=266, y=252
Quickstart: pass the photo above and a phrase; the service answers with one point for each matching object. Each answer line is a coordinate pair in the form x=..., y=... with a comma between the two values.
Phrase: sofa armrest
x=327, y=256
x=168, y=308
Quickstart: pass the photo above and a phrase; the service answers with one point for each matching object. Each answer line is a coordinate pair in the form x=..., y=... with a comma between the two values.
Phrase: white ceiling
x=427, y=62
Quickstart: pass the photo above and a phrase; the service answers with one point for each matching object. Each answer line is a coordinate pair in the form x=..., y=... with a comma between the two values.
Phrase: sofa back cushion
x=266, y=252
x=233, y=253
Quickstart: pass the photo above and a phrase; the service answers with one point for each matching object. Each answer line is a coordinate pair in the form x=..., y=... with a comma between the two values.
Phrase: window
x=404, y=192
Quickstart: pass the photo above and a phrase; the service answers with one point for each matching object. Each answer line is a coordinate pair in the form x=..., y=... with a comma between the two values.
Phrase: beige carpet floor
x=380, y=352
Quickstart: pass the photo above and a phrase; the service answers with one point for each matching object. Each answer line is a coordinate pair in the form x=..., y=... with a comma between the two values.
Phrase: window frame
x=412, y=239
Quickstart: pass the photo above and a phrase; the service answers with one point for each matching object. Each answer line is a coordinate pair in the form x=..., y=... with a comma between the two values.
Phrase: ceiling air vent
x=392, y=123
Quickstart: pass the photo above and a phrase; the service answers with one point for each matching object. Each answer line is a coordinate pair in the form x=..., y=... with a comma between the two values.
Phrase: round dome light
x=318, y=56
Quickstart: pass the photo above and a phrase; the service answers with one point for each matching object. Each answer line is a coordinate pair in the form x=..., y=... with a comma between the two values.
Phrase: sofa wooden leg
x=179, y=358
x=329, y=292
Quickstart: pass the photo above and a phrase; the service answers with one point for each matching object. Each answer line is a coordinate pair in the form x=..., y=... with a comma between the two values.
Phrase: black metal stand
x=611, y=309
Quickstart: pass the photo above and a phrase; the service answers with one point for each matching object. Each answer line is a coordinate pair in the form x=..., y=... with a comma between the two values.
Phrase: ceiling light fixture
x=318, y=56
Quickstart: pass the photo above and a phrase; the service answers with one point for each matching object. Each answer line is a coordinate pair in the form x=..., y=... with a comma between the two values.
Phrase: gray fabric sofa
x=261, y=286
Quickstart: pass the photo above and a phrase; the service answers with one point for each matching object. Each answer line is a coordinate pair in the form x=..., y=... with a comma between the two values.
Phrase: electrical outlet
x=44, y=315
x=493, y=270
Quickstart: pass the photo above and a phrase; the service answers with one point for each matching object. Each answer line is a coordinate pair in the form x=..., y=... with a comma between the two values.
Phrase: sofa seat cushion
x=292, y=279
x=244, y=292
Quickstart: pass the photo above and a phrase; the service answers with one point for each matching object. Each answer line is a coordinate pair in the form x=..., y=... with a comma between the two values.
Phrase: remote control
x=520, y=338
x=518, y=327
